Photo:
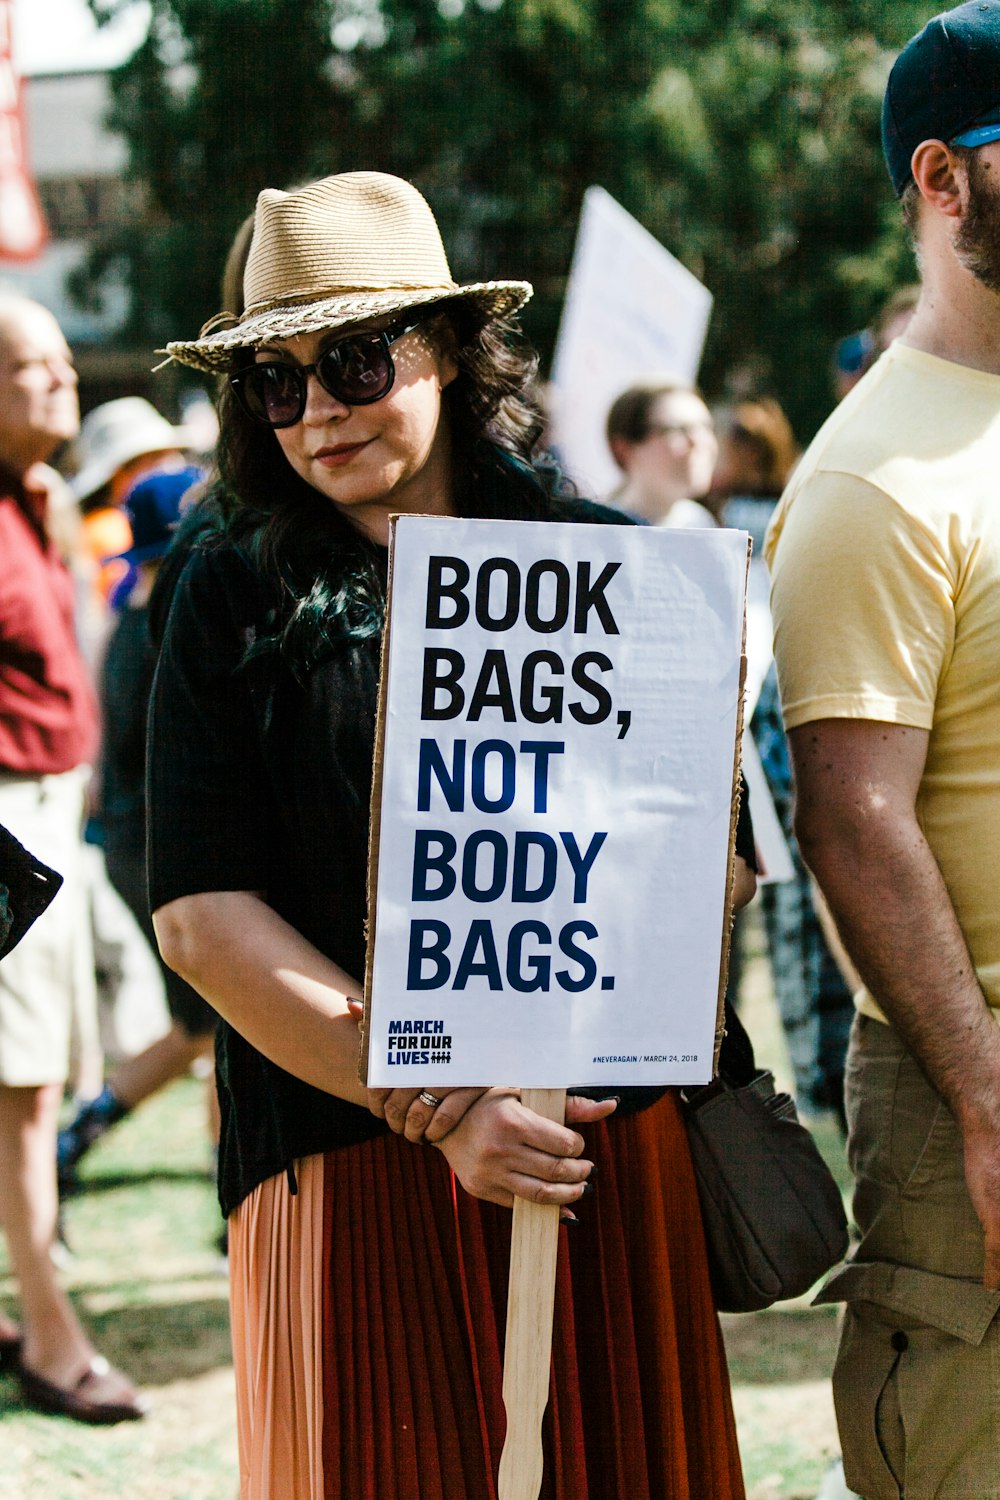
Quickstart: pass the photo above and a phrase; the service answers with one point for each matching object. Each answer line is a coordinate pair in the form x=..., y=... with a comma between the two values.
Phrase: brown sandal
x=101, y=1395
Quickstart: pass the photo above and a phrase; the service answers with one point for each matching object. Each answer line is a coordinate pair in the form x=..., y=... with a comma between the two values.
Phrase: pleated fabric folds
x=390, y=1388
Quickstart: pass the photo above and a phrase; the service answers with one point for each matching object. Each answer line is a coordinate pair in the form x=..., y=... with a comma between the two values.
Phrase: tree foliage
x=744, y=134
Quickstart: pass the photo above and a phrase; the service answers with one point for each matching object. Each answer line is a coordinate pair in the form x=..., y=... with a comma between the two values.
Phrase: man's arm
x=856, y=823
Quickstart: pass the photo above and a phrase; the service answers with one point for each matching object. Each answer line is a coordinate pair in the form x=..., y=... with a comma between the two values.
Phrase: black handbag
x=26, y=888
x=773, y=1215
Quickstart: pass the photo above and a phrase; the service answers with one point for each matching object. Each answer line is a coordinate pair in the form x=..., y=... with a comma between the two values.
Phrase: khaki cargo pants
x=917, y=1378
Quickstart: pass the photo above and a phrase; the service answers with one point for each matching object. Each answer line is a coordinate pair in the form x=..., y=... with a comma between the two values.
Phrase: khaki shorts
x=47, y=986
x=917, y=1378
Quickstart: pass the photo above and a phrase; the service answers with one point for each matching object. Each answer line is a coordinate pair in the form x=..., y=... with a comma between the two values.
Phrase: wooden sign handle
x=528, y=1345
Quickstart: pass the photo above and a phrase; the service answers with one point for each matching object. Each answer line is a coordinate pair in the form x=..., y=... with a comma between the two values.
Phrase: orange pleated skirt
x=368, y=1321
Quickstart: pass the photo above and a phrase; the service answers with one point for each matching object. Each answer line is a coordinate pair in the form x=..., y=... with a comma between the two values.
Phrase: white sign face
x=559, y=736
x=633, y=312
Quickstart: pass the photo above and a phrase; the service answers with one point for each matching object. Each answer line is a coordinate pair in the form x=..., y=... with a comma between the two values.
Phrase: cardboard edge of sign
x=375, y=815
x=375, y=830
x=728, y=913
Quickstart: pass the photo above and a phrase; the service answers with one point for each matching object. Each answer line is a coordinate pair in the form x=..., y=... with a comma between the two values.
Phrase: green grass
x=145, y=1277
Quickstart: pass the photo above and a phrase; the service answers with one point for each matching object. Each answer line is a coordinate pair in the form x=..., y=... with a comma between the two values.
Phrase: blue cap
x=153, y=506
x=986, y=129
x=944, y=86
x=853, y=353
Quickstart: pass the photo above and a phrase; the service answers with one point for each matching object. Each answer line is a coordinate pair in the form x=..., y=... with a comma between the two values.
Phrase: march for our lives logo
x=412, y=1043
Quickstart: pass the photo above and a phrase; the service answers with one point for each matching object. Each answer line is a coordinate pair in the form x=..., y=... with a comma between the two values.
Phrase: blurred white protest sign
x=23, y=232
x=555, y=773
x=772, y=846
x=632, y=312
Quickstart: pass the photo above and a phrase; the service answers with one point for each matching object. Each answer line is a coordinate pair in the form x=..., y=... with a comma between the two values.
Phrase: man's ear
x=939, y=177
x=621, y=452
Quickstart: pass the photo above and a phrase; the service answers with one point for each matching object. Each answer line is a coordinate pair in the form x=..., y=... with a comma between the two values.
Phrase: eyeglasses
x=356, y=370
x=689, y=430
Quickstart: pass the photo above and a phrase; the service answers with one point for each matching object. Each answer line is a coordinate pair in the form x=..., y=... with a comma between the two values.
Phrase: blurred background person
x=662, y=437
x=855, y=354
x=119, y=442
x=153, y=509
x=165, y=506
x=131, y=1005
x=757, y=453
x=48, y=738
x=894, y=319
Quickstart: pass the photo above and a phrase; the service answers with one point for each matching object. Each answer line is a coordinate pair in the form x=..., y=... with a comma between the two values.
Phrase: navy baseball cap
x=944, y=86
x=153, y=506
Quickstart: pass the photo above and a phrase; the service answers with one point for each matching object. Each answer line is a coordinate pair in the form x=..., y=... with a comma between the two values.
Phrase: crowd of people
x=189, y=670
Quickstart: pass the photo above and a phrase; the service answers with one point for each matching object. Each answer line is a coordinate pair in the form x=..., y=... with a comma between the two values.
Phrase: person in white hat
x=116, y=441
x=367, y=1294
x=119, y=443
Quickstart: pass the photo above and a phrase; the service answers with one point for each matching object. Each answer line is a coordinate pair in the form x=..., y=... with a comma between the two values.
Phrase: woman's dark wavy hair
x=329, y=576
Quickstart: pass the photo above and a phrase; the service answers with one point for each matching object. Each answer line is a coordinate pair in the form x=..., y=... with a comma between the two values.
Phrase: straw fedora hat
x=339, y=251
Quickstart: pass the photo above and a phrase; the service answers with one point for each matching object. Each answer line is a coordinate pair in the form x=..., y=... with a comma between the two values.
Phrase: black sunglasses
x=356, y=370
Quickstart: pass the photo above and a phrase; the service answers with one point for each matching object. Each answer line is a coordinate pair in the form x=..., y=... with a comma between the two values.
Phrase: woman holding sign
x=368, y=1292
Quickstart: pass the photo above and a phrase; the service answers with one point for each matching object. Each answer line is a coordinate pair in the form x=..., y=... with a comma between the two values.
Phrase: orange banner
x=23, y=233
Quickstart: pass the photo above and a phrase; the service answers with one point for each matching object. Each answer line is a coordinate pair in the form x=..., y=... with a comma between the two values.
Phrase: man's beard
x=977, y=243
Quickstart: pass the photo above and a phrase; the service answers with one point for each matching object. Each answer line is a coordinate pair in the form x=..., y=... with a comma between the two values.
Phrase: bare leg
x=55, y=1344
x=168, y=1058
x=138, y=1078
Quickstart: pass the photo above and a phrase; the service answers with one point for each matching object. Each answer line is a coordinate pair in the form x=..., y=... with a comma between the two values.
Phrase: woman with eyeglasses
x=368, y=1287
x=662, y=437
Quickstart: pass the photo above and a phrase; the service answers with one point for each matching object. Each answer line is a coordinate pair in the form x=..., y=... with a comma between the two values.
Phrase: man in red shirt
x=48, y=737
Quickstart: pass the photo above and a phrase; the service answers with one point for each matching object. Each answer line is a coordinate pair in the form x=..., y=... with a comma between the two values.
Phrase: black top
x=259, y=779
x=262, y=786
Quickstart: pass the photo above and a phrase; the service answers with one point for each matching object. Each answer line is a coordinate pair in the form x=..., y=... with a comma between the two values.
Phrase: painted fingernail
x=569, y=1220
x=588, y=1188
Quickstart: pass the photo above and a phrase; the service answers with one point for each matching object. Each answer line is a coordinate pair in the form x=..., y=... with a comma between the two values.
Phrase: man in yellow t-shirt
x=885, y=554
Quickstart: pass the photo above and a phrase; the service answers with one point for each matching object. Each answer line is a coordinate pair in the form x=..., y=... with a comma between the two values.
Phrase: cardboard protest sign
x=553, y=808
x=632, y=312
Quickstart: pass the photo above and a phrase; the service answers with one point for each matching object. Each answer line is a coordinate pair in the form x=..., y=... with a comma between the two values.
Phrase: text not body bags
x=773, y=1215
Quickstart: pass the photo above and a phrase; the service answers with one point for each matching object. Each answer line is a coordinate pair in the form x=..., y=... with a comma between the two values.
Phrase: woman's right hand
x=501, y=1150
